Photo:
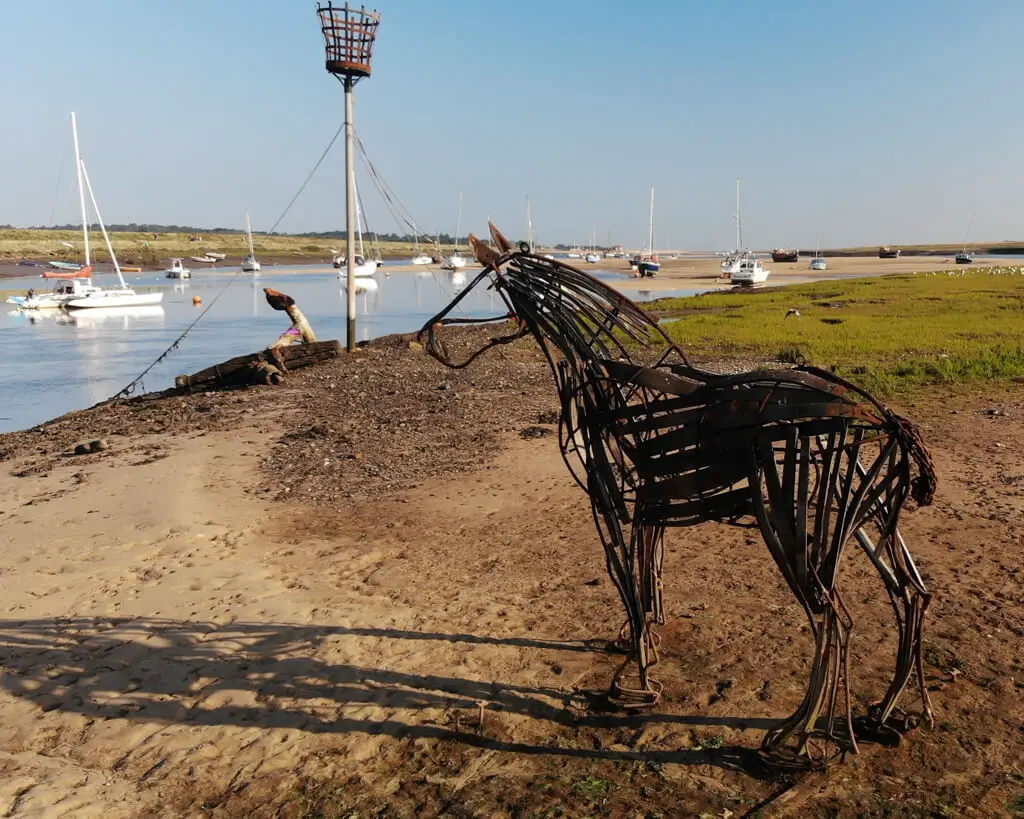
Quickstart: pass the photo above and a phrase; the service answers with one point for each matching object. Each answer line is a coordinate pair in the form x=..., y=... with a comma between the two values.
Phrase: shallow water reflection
x=54, y=361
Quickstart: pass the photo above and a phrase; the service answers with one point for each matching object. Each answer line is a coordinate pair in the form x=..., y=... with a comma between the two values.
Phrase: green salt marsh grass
x=889, y=334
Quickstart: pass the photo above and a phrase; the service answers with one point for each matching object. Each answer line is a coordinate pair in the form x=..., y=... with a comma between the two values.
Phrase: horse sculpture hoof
x=634, y=699
x=890, y=733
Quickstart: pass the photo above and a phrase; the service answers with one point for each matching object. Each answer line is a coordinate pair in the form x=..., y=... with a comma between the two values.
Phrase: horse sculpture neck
x=582, y=317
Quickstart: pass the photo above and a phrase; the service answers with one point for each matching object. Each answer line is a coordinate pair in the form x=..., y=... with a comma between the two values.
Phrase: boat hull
x=114, y=299
x=364, y=270
x=819, y=264
x=888, y=253
x=782, y=255
x=647, y=269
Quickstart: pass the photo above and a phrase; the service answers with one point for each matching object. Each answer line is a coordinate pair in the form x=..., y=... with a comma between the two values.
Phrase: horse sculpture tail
x=922, y=486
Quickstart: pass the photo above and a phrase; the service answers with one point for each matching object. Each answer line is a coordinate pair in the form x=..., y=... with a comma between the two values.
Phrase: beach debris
x=240, y=371
x=812, y=461
x=301, y=332
x=90, y=447
x=295, y=347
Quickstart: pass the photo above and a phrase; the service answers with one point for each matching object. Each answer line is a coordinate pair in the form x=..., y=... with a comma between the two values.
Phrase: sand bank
x=308, y=597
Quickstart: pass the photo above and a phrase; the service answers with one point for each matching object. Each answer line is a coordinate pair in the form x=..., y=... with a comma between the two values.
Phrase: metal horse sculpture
x=808, y=458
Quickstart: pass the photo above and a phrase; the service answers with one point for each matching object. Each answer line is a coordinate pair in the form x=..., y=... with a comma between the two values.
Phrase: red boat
x=781, y=254
x=81, y=273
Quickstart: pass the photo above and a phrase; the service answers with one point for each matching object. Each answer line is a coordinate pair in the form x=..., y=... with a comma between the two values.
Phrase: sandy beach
x=375, y=590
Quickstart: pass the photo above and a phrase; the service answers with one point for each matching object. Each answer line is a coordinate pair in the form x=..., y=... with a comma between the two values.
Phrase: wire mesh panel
x=348, y=39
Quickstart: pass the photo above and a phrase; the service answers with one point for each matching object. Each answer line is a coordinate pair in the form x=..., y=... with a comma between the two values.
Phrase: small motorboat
x=751, y=272
x=177, y=270
x=216, y=256
x=203, y=259
x=131, y=269
x=593, y=258
x=422, y=258
x=26, y=263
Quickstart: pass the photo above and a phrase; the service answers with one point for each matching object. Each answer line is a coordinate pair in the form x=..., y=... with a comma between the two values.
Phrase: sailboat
x=364, y=269
x=818, y=262
x=965, y=256
x=592, y=256
x=647, y=265
x=420, y=257
x=249, y=263
x=733, y=263
x=71, y=291
x=456, y=260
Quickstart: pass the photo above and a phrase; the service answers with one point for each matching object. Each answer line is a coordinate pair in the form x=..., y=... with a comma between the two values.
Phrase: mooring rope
x=129, y=389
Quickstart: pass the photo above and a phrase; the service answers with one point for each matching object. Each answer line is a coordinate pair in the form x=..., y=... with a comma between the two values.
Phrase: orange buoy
x=196, y=300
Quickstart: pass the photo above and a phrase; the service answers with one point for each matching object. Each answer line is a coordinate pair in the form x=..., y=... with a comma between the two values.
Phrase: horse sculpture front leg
x=640, y=599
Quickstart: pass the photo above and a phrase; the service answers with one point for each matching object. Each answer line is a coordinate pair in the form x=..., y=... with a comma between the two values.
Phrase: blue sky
x=885, y=122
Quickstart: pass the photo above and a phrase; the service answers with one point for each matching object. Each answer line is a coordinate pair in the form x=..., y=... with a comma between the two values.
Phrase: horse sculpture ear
x=504, y=245
x=487, y=256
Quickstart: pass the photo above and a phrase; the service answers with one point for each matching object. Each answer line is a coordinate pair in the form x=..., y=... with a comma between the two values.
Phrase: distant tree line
x=134, y=227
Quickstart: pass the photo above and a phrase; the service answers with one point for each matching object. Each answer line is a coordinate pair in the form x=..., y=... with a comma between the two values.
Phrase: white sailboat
x=733, y=263
x=364, y=269
x=249, y=263
x=420, y=257
x=818, y=262
x=592, y=256
x=456, y=260
x=72, y=293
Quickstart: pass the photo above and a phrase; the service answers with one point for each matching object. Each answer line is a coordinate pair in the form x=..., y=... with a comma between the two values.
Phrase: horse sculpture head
x=563, y=307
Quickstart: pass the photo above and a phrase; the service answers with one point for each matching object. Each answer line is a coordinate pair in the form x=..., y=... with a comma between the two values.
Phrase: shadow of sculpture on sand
x=259, y=675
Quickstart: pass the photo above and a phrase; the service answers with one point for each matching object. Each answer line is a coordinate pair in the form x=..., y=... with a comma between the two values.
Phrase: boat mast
x=81, y=190
x=529, y=224
x=736, y=218
x=968, y=233
x=650, y=245
x=103, y=229
x=359, y=220
x=248, y=230
x=458, y=223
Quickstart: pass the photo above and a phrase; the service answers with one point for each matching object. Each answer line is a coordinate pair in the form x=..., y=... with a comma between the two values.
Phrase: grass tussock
x=888, y=334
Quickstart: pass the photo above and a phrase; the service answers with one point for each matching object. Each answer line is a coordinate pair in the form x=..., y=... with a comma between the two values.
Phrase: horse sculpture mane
x=811, y=460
